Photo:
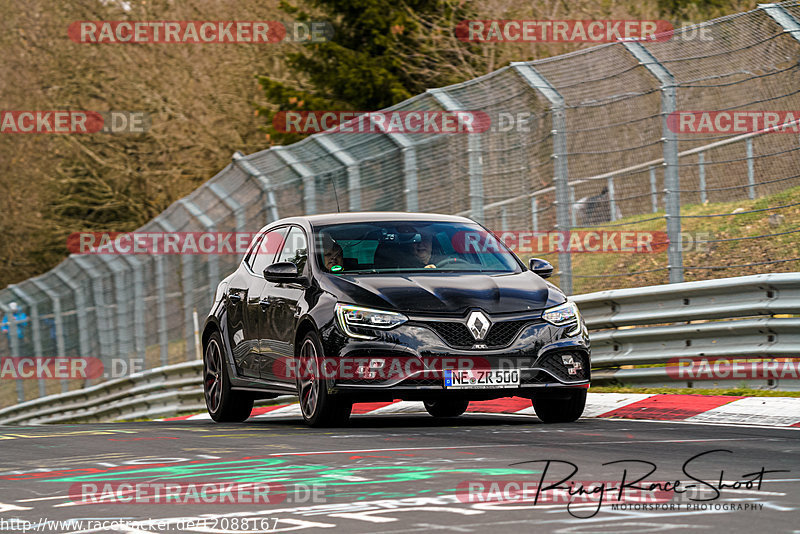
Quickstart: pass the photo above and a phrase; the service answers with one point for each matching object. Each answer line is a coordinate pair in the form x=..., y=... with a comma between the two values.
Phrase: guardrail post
x=565, y=212
x=474, y=156
x=409, y=151
x=58, y=319
x=263, y=182
x=353, y=172
x=309, y=180
x=13, y=341
x=701, y=167
x=671, y=169
x=33, y=318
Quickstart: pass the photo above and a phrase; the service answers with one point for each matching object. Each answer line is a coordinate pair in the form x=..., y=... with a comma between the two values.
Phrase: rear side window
x=263, y=252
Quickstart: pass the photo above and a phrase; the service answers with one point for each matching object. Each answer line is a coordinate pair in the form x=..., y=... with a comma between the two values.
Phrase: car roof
x=370, y=216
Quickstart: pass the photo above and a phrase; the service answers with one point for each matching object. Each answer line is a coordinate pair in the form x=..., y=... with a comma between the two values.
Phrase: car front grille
x=457, y=335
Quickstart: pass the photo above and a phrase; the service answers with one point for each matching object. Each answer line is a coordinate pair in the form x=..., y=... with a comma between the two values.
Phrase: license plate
x=481, y=378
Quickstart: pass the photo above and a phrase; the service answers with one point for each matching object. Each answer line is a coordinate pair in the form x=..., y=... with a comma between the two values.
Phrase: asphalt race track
x=402, y=473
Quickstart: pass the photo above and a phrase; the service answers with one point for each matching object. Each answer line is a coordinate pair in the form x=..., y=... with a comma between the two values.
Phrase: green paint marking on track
x=265, y=469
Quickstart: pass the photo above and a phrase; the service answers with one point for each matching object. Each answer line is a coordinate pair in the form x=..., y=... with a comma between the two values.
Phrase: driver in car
x=422, y=250
x=333, y=253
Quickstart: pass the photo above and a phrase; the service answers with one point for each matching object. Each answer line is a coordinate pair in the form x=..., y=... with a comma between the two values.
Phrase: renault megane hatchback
x=359, y=307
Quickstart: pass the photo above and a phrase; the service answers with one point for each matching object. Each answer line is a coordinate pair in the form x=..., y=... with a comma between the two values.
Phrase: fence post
x=353, y=172
x=236, y=208
x=58, y=319
x=161, y=295
x=565, y=212
x=309, y=180
x=535, y=214
x=81, y=311
x=653, y=192
x=187, y=290
x=701, y=167
x=140, y=338
x=409, y=152
x=122, y=298
x=13, y=341
x=474, y=156
x=212, y=260
x=612, y=204
x=751, y=175
x=101, y=310
x=33, y=319
x=263, y=182
x=779, y=14
x=671, y=169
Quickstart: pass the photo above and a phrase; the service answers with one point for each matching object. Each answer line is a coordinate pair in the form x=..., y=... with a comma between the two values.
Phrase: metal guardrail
x=642, y=326
x=731, y=318
x=161, y=391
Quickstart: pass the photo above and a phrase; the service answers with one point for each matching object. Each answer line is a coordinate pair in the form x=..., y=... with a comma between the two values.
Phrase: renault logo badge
x=478, y=324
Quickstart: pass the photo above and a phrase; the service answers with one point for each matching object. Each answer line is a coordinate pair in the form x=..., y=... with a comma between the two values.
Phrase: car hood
x=443, y=293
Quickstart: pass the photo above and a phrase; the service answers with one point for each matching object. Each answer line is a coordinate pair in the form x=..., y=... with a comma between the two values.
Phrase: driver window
x=265, y=250
x=295, y=249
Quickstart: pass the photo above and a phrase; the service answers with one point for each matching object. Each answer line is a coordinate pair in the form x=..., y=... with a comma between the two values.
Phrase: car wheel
x=224, y=405
x=319, y=408
x=560, y=409
x=446, y=407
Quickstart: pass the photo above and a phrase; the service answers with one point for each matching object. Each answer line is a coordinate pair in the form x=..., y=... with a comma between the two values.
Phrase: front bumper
x=416, y=354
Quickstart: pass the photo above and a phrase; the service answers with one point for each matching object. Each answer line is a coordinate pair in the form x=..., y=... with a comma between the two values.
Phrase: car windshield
x=401, y=246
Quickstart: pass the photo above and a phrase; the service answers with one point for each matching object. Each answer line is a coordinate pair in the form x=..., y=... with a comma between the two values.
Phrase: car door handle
x=265, y=302
x=235, y=298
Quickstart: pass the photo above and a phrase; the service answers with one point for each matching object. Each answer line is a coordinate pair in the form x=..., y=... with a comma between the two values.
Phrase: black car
x=359, y=307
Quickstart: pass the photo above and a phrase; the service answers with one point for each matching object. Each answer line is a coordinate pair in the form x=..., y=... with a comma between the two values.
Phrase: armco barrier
x=748, y=317
x=731, y=318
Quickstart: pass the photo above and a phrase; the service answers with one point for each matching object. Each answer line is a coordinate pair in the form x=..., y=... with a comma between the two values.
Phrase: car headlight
x=562, y=314
x=349, y=316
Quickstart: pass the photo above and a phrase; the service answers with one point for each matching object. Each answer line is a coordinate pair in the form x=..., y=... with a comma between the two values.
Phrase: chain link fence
x=591, y=149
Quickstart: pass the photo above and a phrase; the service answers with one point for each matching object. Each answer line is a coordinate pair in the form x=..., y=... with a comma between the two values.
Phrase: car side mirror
x=541, y=267
x=281, y=272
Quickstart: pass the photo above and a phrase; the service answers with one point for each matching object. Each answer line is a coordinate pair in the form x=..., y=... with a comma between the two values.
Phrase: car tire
x=560, y=409
x=446, y=407
x=318, y=407
x=224, y=405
